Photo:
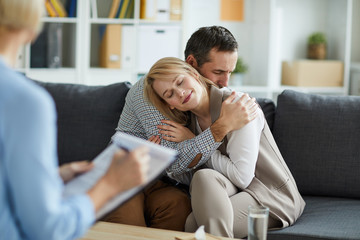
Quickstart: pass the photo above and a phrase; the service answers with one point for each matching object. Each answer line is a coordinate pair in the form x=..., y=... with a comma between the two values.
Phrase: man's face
x=220, y=67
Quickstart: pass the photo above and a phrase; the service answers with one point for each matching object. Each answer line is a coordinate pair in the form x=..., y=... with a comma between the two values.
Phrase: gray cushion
x=324, y=218
x=319, y=137
x=268, y=107
x=87, y=117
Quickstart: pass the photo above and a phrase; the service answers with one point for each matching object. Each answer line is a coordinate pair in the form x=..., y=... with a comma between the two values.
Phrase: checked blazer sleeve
x=140, y=118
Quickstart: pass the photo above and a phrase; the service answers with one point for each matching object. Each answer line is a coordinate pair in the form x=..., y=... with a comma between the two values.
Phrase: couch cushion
x=87, y=117
x=268, y=107
x=319, y=137
x=324, y=218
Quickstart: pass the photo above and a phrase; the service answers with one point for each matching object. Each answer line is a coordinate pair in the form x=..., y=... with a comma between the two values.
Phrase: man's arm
x=140, y=118
x=144, y=117
x=233, y=116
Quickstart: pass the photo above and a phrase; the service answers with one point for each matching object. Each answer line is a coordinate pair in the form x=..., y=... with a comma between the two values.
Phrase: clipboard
x=160, y=158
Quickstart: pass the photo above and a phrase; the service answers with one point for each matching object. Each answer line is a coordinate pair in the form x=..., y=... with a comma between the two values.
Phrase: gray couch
x=319, y=137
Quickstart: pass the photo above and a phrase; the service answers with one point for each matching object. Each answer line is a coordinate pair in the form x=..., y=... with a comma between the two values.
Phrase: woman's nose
x=181, y=92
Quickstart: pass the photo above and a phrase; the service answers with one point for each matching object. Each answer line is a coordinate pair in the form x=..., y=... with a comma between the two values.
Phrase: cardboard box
x=313, y=73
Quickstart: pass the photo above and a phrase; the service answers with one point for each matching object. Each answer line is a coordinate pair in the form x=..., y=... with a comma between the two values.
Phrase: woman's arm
x=243, y=150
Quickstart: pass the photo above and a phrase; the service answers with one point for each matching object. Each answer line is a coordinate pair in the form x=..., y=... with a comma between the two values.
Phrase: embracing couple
x=227, y=154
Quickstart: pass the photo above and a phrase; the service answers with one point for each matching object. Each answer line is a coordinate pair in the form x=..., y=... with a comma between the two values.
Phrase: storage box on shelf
x=313, y=73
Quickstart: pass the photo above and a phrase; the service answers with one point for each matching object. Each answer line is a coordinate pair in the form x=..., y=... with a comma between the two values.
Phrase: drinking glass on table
x=258, y=222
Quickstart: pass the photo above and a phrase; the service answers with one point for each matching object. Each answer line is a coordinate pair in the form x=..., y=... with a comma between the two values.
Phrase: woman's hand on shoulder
x=174, y=132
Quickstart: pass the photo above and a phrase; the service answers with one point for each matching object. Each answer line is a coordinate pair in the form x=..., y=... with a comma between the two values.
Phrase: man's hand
x=69, y=170
x=234, y=115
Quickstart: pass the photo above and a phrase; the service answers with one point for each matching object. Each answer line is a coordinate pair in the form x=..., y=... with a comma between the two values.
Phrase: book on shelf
x=54, y=44
x=119, y=9
x=125, y=6
x=105, y=8
x=38, y=50
x=50, y=9
x=59, y=8
x=110, y=47
x=114, y=8
x=71, y=8
x=46, y=51
x=148, y=9
x=130, y=10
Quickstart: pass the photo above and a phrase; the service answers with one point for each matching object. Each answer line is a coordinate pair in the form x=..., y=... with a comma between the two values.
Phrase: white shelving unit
x=81, y=44
x=293, y=21
x=272, y=31
x=277, y=30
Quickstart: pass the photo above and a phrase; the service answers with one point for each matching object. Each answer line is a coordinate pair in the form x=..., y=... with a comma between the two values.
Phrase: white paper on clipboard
x=160, y=158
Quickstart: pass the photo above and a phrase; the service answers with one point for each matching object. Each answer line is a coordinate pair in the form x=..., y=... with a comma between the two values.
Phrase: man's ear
x=192, y=61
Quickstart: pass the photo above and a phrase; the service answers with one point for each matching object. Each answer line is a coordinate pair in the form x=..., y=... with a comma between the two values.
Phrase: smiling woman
x=174, y=87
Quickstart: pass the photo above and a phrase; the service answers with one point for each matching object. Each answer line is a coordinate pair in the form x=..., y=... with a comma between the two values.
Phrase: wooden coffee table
x=107, y=231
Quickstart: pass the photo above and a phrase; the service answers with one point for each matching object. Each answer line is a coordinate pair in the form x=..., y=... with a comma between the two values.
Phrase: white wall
x=252, y=34
x=277, y=30
x=355, y=40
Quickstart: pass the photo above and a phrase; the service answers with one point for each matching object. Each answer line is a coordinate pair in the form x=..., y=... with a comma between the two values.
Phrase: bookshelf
x=82, y=37
x=272, y=31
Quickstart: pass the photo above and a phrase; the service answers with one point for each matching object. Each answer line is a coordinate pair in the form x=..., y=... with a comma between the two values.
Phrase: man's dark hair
x=207, y=38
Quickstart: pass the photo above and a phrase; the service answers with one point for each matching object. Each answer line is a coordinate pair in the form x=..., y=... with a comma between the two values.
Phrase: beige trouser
x=219, y=206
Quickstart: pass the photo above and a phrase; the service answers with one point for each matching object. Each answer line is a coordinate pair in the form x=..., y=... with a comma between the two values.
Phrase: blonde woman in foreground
x=247, y=169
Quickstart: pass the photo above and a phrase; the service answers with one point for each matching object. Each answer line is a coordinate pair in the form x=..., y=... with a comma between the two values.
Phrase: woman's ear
x=171, y=107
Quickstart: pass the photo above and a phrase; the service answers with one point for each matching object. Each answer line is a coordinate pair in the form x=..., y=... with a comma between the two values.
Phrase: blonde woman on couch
x=31, y=185
x=247, y=169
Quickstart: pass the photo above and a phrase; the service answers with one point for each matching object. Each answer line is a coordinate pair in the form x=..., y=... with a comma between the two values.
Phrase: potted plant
x=238, y=73
x=316, y=46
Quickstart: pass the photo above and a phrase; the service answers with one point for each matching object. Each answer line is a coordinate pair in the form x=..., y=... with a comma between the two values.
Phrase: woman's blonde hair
x=21, y=14
x=161, y=70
